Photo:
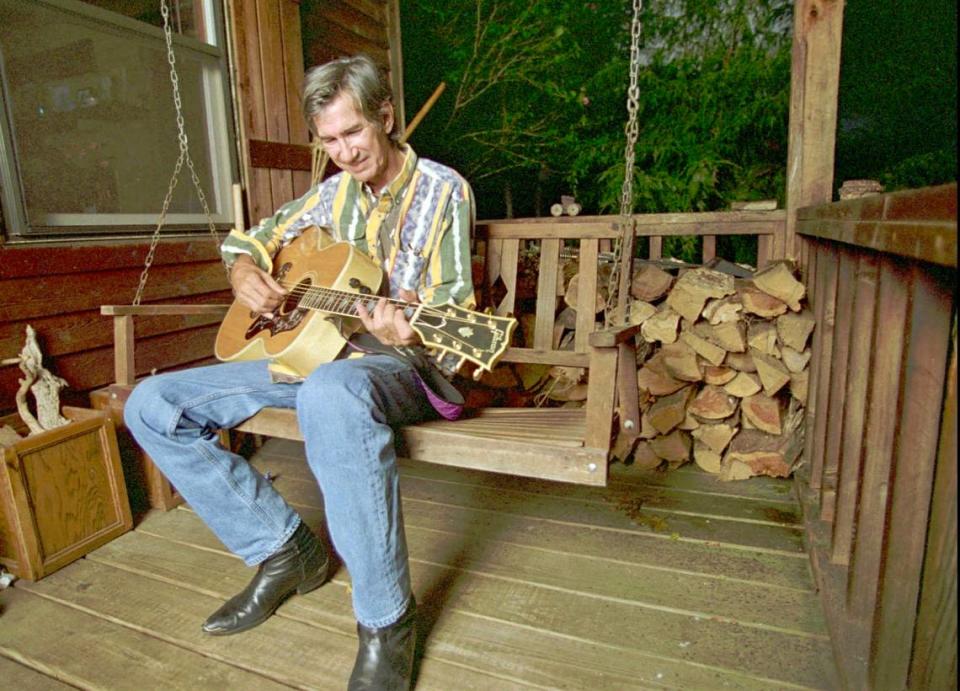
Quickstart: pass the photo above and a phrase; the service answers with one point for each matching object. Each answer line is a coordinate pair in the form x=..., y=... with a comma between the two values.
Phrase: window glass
x=92, y=119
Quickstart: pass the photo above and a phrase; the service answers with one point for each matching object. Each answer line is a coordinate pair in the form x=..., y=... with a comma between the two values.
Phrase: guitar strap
x=443, y=396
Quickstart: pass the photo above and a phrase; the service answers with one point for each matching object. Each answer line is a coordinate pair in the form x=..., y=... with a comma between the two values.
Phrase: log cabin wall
x=879, y=485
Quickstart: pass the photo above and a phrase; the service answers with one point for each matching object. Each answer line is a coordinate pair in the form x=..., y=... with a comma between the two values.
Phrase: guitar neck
x=343, y=302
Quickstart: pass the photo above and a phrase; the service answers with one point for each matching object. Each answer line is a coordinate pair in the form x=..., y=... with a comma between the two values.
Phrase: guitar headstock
x=474, y=336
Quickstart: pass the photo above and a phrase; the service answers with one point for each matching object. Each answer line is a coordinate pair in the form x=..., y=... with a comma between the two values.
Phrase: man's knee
x=148, y=405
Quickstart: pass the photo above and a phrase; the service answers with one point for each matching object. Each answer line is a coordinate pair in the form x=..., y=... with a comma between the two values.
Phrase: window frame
x=221, y=130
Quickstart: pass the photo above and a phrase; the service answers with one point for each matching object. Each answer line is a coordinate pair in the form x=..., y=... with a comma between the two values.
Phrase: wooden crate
x=62, y=494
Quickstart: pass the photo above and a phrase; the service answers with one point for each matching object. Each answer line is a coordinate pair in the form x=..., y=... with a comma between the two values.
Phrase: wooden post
x=815, y=79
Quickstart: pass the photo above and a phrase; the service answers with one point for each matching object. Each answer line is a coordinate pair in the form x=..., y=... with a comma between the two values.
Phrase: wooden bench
x=566, y=444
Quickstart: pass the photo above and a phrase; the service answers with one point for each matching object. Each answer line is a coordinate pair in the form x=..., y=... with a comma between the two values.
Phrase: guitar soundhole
x=287, y=318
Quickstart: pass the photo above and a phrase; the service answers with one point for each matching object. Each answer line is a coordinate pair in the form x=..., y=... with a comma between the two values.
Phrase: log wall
x=879, y=481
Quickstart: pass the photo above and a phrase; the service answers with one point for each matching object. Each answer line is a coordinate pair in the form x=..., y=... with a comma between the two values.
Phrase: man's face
x=356, y=145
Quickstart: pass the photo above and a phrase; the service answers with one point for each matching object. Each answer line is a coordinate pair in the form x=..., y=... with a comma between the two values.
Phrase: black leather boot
x=385, y=659
x=300, y=565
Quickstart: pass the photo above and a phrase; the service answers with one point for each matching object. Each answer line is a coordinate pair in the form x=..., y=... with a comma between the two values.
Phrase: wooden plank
x=508, y=253
x=855, y=407
x=293, y=73
x=934, y=664
x=472, y=640
x=826, y=321
x=930, y=241
x=839, y=371
x=709, y=248
x=651, y=548
x=18, y=676
x=587, y=289
x=815, y=70
x=879, y=439
x=546, y=293
x=656, y=247
x=275, y=90
x=925, y=369
x=102, y=652
x=265, y=154
x=391, y=11
x=601, y=393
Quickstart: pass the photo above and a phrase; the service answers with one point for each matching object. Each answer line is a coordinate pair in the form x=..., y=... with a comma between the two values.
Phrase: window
x=88, y=134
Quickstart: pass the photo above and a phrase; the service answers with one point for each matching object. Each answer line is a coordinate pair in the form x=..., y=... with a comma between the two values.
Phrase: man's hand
x=387, y=322
x=255, y=288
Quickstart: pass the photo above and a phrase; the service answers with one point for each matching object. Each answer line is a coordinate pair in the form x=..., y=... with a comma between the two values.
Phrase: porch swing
x=554, y=443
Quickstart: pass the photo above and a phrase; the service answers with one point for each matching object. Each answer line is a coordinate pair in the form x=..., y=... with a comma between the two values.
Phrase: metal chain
x=183, y=157
x=632, y=130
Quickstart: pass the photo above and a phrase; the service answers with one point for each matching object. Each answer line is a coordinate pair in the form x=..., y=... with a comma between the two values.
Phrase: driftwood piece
x=743, y=385
x=661, y=327
x=773, y=375
x=681, y=362
x=713, y=354
x=669, y=411
x=650, y=282
x=777, y=279
x=795, y=328
x=762, y=412
x=713, y=403
x=692, y=290
x=43, y=384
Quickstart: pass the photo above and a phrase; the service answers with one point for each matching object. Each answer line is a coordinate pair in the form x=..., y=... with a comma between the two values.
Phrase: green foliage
x=536, y=102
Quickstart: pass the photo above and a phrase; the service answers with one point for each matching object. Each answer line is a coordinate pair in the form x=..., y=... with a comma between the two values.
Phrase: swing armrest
x=615, y=335
x=124, y=367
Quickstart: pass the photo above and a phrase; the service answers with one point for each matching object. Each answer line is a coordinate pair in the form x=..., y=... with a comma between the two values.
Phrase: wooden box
x=62, y=494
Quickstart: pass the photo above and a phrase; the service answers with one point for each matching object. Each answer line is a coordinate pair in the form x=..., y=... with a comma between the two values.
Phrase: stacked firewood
x=723, y=371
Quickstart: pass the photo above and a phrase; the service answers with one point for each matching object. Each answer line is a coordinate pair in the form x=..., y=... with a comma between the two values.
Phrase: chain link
x=632, y=130
x=184, y=157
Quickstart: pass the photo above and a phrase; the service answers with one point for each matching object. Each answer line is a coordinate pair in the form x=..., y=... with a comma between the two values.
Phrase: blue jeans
x=347, y=410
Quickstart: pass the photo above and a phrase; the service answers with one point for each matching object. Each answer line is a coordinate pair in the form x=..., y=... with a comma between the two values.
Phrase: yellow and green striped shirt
x=427, y=212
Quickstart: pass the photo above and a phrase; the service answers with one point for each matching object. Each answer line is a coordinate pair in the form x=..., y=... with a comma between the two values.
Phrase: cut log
x=794, y=361
x=731, y=336
x=572, y=294
x=795, y=329
x=650, y=282
x=661, y=327
x=681, y=362
x=799, y=383
x=641, y=311
x=767, y=454
x=718, y=376
x=760, y=303
x=657, y=383
x=690, y=422
x=743, y=385
x=707, y=458
x=777, y=279
x=713, y=403
x=722, y=310
x=740, y=465
x=716, y=435
x=773, y=375
x=674, y=447
x=692, y=290
x=713, y=354
x=669, y=411
x=762, y=412
x=762, y=337
x=644, y=456
x=742, y=362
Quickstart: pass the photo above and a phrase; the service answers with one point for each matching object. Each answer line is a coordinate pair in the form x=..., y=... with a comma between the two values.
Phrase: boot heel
x=313, y=582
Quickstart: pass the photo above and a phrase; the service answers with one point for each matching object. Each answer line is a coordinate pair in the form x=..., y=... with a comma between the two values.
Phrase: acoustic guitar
x=327, y=281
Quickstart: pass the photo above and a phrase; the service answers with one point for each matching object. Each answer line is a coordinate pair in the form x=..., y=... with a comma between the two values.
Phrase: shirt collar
x=395, y=188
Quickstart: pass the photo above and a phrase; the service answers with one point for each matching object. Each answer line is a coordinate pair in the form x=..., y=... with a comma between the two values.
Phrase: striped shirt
x=427, y=213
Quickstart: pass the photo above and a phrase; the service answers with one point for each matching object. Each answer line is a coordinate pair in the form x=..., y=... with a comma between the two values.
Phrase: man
x=414, y=217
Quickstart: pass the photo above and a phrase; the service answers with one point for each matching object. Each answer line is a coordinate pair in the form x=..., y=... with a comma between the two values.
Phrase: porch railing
x=879, y=486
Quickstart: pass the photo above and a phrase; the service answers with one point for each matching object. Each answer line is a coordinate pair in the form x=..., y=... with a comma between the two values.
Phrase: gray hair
x=357, y=76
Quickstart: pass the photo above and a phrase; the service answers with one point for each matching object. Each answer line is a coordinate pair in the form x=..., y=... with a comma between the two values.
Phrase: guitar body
x=299, y=338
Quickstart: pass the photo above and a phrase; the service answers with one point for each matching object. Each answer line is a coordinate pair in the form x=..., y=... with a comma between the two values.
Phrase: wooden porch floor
x=661, y=580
